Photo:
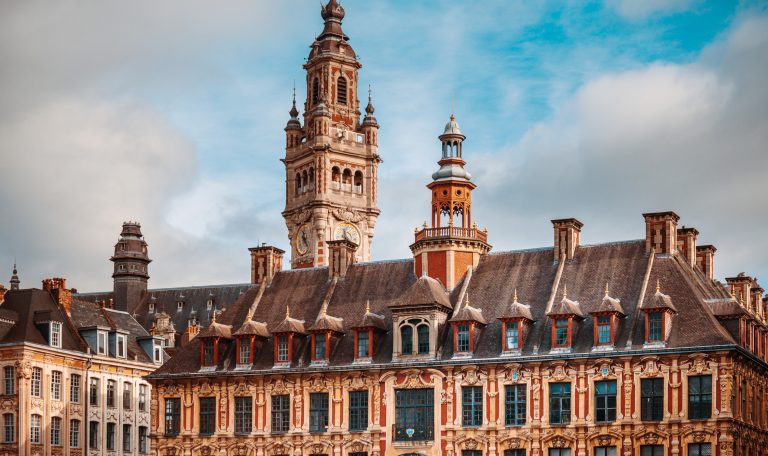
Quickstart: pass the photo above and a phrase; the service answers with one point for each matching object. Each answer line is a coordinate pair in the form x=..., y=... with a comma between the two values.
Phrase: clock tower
x=331, y=160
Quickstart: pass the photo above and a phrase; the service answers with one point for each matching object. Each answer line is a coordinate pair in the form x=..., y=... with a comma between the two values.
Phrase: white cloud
x=641, y=9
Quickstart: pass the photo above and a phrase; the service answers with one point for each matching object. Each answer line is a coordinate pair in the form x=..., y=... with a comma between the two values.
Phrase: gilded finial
x=287, y=312
x=606, y=289
x=452, y=116
x=658, y=286
x=565, y=291
x=514, y=298
x=213, y=319
x=367, y=306
x=466, y=300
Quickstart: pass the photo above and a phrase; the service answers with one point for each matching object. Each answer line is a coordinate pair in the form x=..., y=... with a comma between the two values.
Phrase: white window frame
x=55, y=334
x=101, y=342
x=56, y=385
x=35, y=423
x=36, y=387
x=142, y=398
x=121, y=340
x=74, y=433
x=55, y=431
x=75, y=388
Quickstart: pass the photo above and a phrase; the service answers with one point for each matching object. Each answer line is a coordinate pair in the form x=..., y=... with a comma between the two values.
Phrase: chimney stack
x=567, y=234
x=741, y=288
x=661, y=232
x=686, y=243
x=266, y=261
x=341, y=256
x=57, y=286
x=705, y=259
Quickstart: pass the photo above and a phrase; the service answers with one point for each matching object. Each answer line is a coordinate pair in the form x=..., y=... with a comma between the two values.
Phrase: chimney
x=705, y=259
x=661, y=232
x=686, y=243
x=741, y=287
x=757, y=298
x=341, y=256
x=266, y=261
x=567, y=233
x=58, y=288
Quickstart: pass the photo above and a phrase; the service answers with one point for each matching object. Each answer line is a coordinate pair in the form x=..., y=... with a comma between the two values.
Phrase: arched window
x=346, y=180
x=304, y=181
x=406, y=340
x=423, y=335
x=358, y=182
x=341, y=90
x=335, y=178
x=315, y=91
x=298, y=184
x=311, y=176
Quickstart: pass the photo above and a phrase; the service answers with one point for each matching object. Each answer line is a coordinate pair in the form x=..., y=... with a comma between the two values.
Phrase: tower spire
x=15, y=278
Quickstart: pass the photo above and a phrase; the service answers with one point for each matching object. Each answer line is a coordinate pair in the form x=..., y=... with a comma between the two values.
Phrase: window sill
x=604, y=348
x=560, y=350
x=511, y=352
x=243, y=366
x=358, y=431
x=462, y=355
x=282, y=365
x=413, y=443
x=208, y=369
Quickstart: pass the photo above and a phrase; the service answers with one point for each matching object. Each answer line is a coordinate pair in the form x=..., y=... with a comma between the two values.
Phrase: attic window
x=56, y=334
x=151, y=306
x=561, y=330
x=320, y=346
x=208, y=351
x=512, y=335
x=101, y=343
x=158, y=352
x=282, y=348
x=120, y=346
x=341, y=90
x=655, y=322
x=604, y=333
x=363, y=344
x=179, y=306
x=209, y=304
x=462, y=338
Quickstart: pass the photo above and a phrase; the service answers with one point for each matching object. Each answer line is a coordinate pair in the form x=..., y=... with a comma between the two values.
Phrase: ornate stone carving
x=348, y=215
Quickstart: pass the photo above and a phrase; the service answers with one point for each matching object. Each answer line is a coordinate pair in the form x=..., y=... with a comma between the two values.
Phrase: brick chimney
x=686, y=243
x=661, y=232
x=58, y=288
x=341, y=256
x=266, y=261
x=741, y=288
x=705, y=259
x=567, y=234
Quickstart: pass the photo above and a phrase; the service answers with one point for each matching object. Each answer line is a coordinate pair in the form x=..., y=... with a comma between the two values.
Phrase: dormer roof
x=659, y=301
x=516, y=310
x=426, y=291
x=566, y=307
x=469, y=313
x=326, y=322
x=371, y=320
x=609, y=304
x=252, y=328
x=289, y=325
x=216, y=329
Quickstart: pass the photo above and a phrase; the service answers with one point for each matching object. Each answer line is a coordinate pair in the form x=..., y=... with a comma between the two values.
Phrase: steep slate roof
x=631, y=273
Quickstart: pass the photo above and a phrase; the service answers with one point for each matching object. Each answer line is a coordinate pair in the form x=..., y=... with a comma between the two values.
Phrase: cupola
x=658, y=310
x=605, y=320
x=564, y=316
x=213, y=343
x=247, y=337
x=516, y=319
x=325, y=332
x=466, y=322
x=370, y=325
x=283, y=335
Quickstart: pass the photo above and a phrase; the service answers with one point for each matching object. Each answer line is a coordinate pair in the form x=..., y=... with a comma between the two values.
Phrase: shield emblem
x=410, y=432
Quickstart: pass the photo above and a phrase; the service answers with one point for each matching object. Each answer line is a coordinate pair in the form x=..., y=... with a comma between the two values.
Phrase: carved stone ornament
x=205, y=388
x=470, y=376
x=348, y=215
x=23, y=369
x=240, y=450
x=316, y=448
x=301, y=216
x=318, y=383
x=470, y=444
x=699, y=436
x=650, y=438
x=558, y=442
x=205, y=450
x=604, y=440
x=514, y=443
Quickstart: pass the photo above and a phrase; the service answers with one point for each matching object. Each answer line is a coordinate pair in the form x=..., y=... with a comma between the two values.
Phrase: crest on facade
x=240, y=449
x=279, y=385
x=471, y=375
x=319, y=383
x=348, y=215
x=301, y=216
x=279, y=447
x=698, y=363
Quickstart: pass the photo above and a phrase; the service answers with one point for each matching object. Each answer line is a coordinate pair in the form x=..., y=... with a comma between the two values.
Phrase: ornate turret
x=15, y=278
x=453, y=243
x=131, y=267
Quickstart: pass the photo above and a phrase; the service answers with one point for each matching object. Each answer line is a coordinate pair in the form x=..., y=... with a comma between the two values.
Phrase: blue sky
x=172, y=114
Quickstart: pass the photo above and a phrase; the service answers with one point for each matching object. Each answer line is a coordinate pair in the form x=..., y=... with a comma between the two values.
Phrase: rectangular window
x=700, y=397
x=56, y=385
x=243, y=415
x=172, y=413
x=605, y=401
x=55, y=431
x=158, y=352
x=245, y=352
x=9, y=427
x=93, y=435
x=559, y=403
x=559, y=452
x=472, y=406
x=513, y=335
x=208, y=352
x=37, y=382
x=56, y=334
x=514, y=405
x=605, y=451
x=281, y=413
x=358, y=410
x=652, y=399
x=362, y=344
x=282, y=348
x=127, y=396
x=142, y=398
x=34, y=428
x=699, y=449
x=93, y=392
x=422, y=334
x=462, y=338
x=120, y=346
x=101, y=342
x=414, y=415
x=561, y=332
x=111, y=393
x=319, y=346
x=207, y=415
x=652, y=450
x=604, y=330
x=9, y=375
x=74, y=434
x=655, y=327
x=74, y=388
x=471, y=453
x=518, y=452
x=110, y=436
x=143, y=440
x=126, y=437
x=318, y=412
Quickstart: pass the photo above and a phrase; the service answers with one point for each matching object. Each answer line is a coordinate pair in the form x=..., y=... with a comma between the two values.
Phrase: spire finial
x=367, y=306
x=565, y=291
x=370, y=91
x=324, y=312
x=453, y=117
x=514, y=299
x=606, y=289
x=466, y=300
x=658, y=286
x=213, y=318
x=287, y=312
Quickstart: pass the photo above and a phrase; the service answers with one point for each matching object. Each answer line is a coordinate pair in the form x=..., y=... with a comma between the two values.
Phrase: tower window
x=423, y=336
x=406, y=340
x=358, y=182
x=315, y=91
x=298, y=184
x=346, y=180
x=335, y=178
x=341, y=90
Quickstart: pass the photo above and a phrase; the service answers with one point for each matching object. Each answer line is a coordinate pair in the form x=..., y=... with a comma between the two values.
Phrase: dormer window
x=319, y=342
x=157, y=350
x=563, y=316
x=325, y=328
x=179, y=306
x=655, y=326
x=465, y=321
x=515, y=317
x=658, y=311
x=406, y=337
x=284, y=333
x=283, y=348
x=416, y=317
x=363, y=344
x=208, y=349
x=604, y=330
x=462, y=338
x=423, y=338
x=512, y=335
x=605, y=318
x=151, y=307
x=101, y=342
x=55, y=334
x=211, y=341
x=209, y=304
x=121, y=346
x=364, y=333
x=562, y=333
x=245, y=341
x=244, y=354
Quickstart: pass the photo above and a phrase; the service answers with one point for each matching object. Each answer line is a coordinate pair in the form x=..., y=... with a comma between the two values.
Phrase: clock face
x=347, y=231
x=303, y=239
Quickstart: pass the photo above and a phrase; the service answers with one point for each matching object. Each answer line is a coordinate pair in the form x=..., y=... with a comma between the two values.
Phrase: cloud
x=640, y=9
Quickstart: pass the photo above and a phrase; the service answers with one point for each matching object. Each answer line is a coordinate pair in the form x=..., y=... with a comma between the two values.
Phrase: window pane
x=280, y=413
x=318, y=412
x=406, y=340
x=515, y=405
x=358, y=410
x=423, y=335
x=207, y=415
x=560, y=403
x=472, y=405
x=414, y=418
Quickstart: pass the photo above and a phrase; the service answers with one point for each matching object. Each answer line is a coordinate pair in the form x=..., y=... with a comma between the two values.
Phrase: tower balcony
x=452, y=232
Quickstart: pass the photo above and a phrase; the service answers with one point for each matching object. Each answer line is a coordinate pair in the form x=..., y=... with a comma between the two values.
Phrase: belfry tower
x=453, y=243
x=332, y=160
x=130, y=267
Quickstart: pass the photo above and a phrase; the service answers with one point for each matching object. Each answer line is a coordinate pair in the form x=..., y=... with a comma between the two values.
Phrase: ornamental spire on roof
x=15, y=278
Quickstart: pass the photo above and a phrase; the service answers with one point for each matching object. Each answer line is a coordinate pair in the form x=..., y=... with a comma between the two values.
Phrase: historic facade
x=72, y=375
x=627, y=348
